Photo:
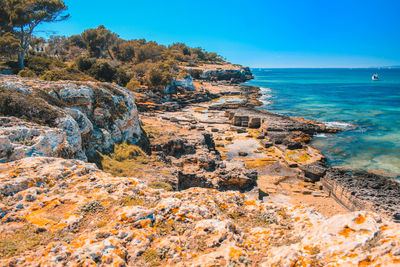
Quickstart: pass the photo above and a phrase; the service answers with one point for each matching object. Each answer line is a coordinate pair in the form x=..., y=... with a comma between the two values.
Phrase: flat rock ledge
x=364, y=191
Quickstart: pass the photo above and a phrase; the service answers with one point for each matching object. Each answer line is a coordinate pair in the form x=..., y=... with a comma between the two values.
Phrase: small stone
x=266, y=143
x=243, y=154
x=214, y=130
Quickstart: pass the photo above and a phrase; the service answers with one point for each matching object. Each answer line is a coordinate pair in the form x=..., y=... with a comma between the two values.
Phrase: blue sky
x=257, y=33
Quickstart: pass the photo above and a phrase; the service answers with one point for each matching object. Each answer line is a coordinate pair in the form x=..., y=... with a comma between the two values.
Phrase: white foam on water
x=338, y=124
x=319, y=135
x=265, y=95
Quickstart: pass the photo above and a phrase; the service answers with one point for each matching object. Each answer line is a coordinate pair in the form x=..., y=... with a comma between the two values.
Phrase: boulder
x=314, y=171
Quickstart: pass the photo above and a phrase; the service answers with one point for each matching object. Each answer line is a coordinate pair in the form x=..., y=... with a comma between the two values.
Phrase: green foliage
x=98, y=40
x=121, y=77
x=84, y=63
x=23, y=16
x=69, y=74
x=195, y=73
x=149, y=51
x=40, y=64
x=23, y=106
x=26, y=73
x=9, y=44
x=125, y=151
x=102, y=71
x=159, y=76
x=125, y=51
x=133, y=84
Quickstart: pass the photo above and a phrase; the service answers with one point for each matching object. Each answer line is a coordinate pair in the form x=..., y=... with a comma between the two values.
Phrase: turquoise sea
x=368, y=111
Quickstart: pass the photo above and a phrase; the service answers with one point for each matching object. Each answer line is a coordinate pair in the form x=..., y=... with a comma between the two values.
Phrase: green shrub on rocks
x=40, y=65
x=84, y=63
x=133, y=84
x=102, y=71
x=27, y=73
x=70, y=74
x=27, y=107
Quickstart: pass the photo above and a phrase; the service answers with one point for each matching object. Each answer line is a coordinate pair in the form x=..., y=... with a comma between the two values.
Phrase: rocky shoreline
x=215, y=181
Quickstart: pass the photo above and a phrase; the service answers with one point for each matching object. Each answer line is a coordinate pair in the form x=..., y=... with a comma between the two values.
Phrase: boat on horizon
x=375, y=77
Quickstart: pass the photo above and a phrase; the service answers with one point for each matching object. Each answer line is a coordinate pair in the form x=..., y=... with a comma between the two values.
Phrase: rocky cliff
x=64, y=119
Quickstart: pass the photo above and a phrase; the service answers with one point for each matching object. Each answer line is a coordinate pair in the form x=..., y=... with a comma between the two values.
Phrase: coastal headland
x=198, y=177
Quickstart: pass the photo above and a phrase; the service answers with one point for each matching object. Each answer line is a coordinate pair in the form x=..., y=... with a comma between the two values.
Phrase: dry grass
x=27, y=238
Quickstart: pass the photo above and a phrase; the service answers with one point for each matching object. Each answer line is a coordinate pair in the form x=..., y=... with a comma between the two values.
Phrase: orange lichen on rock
x=88, y=217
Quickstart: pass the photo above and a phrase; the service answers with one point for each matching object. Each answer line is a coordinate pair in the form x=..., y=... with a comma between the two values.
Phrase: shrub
x=102, y=71
x=26, y=73
x=68, y=74
x=133, y=84
x=27, y=107
x=84, y=63
x=158, y=78
x=124, y=51
x=195, y=73
x=42, y=64
x=125, y=151
x=120, y=77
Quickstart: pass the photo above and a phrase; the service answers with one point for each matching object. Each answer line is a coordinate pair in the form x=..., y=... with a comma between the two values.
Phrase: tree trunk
x=21, y=57
x=109, y=53
x=101, y=52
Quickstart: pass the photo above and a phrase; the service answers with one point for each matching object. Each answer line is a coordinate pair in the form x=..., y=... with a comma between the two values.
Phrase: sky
x=255, y=33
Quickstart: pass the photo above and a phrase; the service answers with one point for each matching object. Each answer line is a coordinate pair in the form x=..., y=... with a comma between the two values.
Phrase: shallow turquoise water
x=348, y=98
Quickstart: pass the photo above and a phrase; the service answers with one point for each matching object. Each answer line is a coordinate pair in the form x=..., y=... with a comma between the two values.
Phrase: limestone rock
x=64, y=119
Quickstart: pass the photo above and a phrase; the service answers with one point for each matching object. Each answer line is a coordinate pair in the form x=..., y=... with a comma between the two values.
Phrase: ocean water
x=368, y=111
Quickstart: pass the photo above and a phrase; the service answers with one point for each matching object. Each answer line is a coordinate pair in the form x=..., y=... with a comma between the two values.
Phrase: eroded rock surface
x=70, y=213
x=64, y=119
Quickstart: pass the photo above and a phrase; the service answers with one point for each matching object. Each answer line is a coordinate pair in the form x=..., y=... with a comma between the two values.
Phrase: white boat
x=375, y=77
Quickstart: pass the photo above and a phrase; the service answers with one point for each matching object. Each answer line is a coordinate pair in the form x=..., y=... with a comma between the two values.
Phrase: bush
x=124, y=151
x=120, y=77
x=158, y=78
x=84, y=63
x=133, y=84
x=102, y=71
x=195, y=73
x=26, y=73
x=42, y=64
x=67, y=74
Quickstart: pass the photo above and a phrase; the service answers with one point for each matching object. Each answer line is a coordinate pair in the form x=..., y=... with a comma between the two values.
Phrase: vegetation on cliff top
x=95, y=54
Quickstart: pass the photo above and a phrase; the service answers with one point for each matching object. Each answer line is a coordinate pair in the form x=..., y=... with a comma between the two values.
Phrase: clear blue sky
x=257, y=33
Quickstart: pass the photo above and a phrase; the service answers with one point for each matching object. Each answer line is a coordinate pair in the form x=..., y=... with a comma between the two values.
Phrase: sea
x=367, y=111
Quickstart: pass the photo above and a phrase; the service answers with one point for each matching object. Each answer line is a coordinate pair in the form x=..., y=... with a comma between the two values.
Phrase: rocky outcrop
x=57, y=212
x=364, y=191
x=199, y=164
x=239, y=75
x=181, y=85
x=64, y=119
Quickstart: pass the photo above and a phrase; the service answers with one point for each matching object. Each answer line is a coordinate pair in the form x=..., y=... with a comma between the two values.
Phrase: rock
x=239, y=75
x=313, y=171
x=266, y=144
x=214, y=130
x=243, y=154
x=254, y=122
x=76, y=120
x=156, y=227
x=293, y=145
